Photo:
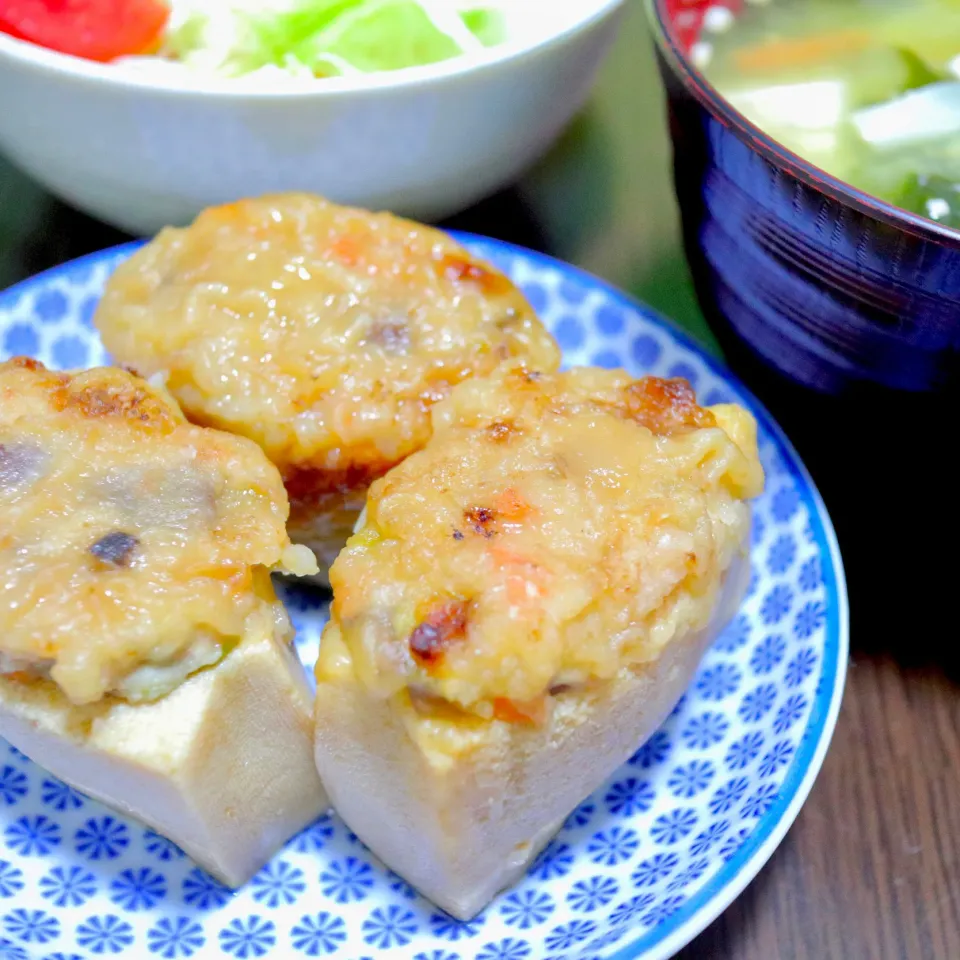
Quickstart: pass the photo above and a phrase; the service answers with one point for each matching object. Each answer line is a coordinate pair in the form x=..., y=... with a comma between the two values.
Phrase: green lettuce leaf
x=327, y=37
x=485, y=24
x=384, y=35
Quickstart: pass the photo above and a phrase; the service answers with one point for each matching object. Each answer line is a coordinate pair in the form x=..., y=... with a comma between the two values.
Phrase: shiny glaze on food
x=324, y=333
x=135, y=548
x=555, y=530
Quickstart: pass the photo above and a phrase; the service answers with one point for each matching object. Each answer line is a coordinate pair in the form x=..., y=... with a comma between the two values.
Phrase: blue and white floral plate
x=637, y=871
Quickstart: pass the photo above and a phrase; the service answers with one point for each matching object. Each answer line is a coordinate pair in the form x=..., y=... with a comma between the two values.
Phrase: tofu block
x=144, y=656
x=523, y=603
x=462, y=831
x=222, y=765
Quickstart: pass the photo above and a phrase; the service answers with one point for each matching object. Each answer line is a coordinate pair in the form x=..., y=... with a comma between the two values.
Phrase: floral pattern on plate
x=636, y=871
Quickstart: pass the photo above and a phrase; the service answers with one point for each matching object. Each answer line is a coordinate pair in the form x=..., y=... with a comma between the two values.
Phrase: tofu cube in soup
x=144, y=656
x=523, y=603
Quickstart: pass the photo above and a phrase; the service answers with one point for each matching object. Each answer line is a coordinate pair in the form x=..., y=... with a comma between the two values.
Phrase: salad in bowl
x=241, y=38
x=144, y=112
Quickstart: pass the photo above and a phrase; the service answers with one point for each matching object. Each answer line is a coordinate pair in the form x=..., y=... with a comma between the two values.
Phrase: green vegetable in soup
x=916, y=71
x=935, y=197
x=869, y=90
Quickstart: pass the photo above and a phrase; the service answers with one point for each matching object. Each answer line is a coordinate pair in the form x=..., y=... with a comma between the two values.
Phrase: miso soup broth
x=868, y=90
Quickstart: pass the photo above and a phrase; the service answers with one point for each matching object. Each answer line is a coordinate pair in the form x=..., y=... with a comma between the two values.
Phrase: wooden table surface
x=871, y=869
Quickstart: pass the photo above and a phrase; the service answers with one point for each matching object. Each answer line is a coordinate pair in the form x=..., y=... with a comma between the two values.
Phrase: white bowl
x=142, y=150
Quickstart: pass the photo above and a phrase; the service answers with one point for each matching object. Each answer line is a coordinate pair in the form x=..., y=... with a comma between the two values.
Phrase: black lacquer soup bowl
x=843, y=313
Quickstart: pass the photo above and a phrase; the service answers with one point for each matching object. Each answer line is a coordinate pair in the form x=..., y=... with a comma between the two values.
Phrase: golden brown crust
x=665, y=407
x=555, y=529
x=324, y=333
x=437, y=631
x=99, y=394
x=129, y=538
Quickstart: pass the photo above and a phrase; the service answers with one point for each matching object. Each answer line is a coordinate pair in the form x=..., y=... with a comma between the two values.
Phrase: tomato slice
x=686, y=17
x=93, y=29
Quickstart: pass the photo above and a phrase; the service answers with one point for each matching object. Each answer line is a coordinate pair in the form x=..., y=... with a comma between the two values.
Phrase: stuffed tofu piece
x=524, y=602
x=323, y=333
x=144, y=657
